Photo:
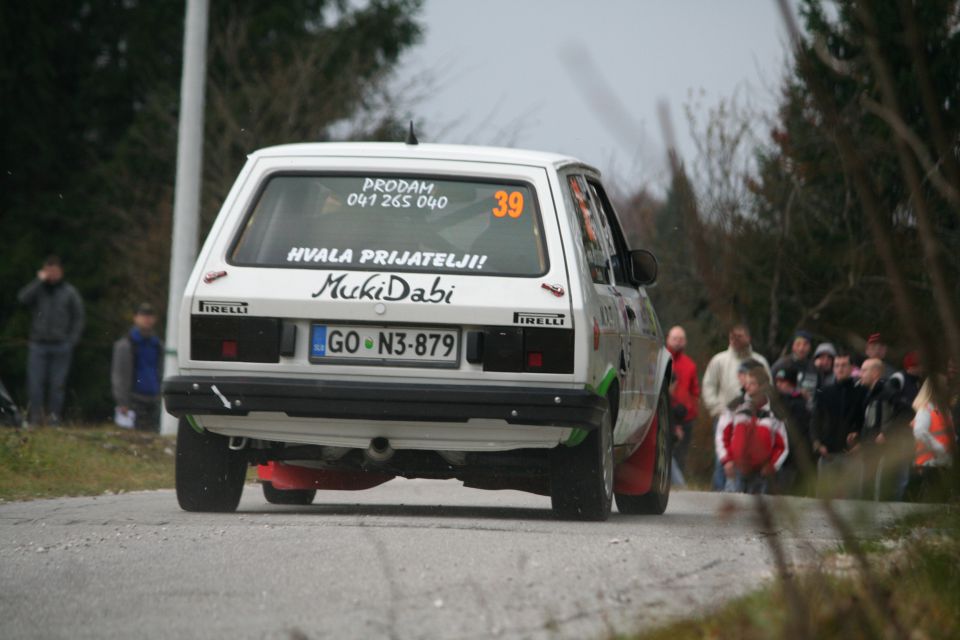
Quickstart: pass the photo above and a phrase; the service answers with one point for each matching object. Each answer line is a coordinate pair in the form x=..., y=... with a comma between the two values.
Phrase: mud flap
x=287, y=476
x=265, y=472
x=634, y=476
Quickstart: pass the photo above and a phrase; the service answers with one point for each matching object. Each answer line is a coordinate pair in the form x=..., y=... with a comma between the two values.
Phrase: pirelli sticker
x=230, y=307
x=532, y=319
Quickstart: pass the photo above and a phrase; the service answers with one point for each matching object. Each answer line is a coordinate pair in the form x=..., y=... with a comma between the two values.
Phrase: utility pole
x=186, y=198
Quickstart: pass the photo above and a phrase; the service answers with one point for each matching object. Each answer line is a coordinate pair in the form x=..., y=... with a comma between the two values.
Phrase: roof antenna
x=411, y=136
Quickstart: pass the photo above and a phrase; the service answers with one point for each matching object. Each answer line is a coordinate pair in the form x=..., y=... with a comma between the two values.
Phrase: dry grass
x=77, y=461
x=916, y=566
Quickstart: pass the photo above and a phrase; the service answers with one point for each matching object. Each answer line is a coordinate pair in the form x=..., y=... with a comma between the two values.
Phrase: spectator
x=745, y=367
x=678, y=414
x=751, y=441
x=10, y=415
x=721, y=384
x=953, y=386
x=57, y=323
x=719, y=479
x=935, y=446
x=823, y=361
x=838, y=411
x=897, y=438
x=905, y=384
x=685, y=393
x=877, y=348
x=799, y=359
x=135, y=372
x=869, y=441
x=791, y=408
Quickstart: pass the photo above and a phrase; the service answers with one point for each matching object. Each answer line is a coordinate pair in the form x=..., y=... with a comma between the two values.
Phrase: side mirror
x=643, y=267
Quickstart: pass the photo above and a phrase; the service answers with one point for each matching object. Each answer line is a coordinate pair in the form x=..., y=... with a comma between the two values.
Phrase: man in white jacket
x=720, y=382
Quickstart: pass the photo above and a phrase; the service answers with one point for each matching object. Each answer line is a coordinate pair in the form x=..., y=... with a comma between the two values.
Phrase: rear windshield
x=385, y=222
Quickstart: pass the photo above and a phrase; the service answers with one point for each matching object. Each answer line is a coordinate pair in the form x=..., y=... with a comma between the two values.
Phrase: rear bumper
x=296, y=397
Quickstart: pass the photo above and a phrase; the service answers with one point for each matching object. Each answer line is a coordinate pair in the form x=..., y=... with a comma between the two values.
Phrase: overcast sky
x=538, y=73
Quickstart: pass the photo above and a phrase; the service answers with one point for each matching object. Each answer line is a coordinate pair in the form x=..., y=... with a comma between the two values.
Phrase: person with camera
x=57, y=319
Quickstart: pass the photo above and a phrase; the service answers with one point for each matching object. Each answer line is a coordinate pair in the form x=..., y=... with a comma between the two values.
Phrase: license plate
x=384, y=345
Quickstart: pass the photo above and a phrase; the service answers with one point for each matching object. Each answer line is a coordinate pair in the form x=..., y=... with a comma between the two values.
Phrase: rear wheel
x=209, y=476
x=288, y=496
x=581, y=477
x=654, y=502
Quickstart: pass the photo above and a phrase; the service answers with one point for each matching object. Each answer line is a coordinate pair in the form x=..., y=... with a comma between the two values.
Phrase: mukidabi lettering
x=383, y=288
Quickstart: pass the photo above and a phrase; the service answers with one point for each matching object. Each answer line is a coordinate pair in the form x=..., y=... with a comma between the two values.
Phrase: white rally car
x=364, y=311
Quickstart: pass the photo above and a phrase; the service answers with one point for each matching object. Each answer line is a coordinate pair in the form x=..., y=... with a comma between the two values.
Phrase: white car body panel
x=630, y=345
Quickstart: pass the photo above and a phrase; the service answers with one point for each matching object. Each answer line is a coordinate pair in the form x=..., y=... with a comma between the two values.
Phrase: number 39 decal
x=508, y=204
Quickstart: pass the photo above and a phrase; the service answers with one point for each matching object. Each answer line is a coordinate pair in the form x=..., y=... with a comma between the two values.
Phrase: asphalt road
x=408, y=559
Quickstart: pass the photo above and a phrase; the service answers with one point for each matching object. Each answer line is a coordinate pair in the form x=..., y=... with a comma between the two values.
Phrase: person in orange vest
x=934, y=446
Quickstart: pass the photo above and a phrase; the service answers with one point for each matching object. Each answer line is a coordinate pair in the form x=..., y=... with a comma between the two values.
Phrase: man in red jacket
x=684, y=394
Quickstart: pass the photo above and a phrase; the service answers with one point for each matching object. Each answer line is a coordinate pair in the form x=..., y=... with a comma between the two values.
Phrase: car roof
x=468, y=153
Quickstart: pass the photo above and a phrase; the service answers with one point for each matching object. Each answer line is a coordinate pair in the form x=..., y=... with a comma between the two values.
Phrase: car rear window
x=395, y=223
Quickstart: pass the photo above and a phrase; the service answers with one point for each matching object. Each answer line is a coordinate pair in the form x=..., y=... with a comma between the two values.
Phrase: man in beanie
x=823, y=361
x=799, y=360
x=57, y=322
x=877, y=348
x=136, y=372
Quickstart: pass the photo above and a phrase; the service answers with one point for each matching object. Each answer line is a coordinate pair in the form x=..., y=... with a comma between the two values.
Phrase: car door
x=642, y=334
x=613, y=316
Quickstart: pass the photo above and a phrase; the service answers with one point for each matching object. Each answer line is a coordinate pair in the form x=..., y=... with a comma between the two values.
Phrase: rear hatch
x=347, y=268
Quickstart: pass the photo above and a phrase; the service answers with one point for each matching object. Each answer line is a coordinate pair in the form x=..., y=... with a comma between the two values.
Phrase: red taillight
x=228, y=349
x=532, y=349
x=596, y=335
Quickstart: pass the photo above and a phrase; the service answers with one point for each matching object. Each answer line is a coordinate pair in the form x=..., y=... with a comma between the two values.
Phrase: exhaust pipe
x=379, y=450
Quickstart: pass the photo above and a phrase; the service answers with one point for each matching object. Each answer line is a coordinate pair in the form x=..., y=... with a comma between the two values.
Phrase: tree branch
x=919, y=150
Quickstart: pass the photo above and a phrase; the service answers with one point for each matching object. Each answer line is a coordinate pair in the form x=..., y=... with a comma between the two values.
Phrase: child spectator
x=751, y=441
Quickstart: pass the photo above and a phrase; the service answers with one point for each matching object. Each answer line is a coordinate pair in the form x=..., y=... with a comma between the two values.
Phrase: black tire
x=581, y=477
x=288, y=496
x=209, y=475
x=654, y=502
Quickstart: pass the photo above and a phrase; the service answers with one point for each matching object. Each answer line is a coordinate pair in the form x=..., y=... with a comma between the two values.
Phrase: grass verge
x=915, y=571
x=82, y=461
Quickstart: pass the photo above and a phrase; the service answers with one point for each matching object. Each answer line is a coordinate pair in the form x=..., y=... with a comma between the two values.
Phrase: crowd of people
x=818, y=421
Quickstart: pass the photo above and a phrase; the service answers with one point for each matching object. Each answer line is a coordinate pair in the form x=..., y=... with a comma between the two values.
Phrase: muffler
x=379, y=450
